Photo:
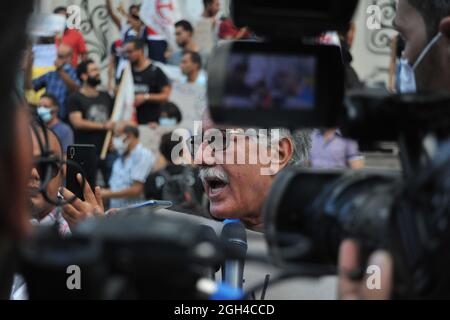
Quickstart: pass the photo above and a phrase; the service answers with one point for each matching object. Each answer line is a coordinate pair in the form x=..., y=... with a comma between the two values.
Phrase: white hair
x=301, y=142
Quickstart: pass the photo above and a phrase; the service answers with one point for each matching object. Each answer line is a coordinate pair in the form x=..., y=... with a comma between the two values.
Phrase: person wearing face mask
x=48, y=112
x=130, y=170
x=170, y=117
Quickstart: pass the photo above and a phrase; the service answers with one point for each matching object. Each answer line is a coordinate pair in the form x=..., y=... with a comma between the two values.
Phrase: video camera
x=291, y=80
x=135, y=254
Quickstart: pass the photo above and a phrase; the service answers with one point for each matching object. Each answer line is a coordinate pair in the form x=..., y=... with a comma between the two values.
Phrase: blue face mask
x=45, y=114
x=407, y=77
x=168, y=122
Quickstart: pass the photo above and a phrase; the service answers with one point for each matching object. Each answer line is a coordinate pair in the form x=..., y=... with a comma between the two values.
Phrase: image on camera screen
x=269, y=82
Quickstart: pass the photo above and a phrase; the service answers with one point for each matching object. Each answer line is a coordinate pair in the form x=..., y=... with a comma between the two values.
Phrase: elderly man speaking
x=238, y=189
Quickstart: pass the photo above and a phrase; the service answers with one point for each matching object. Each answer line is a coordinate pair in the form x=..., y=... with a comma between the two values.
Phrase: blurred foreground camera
x=134, y=255
x=308, y=214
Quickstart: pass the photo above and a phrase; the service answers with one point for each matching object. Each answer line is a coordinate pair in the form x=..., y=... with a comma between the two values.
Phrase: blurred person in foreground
x=424, y=67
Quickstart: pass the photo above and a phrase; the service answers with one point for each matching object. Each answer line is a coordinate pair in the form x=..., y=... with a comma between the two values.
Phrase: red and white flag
x=160, y=17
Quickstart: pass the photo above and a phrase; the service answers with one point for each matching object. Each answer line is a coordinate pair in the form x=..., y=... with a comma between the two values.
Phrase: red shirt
x=229, y=30
x=74, y=39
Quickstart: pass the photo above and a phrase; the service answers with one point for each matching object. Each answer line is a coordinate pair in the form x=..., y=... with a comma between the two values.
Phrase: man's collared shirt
x=334, y=153
x=135, y=167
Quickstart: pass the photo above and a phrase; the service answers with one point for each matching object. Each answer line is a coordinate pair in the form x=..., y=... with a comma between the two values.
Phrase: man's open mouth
x=216, y=185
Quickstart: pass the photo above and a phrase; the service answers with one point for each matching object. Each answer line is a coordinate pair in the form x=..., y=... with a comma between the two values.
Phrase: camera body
x=309, y=213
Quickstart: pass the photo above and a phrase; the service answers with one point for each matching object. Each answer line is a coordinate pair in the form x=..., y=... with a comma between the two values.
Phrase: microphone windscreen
x=234, y=238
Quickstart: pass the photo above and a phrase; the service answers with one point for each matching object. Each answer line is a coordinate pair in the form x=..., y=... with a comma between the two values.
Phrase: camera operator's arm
x=80, y=210
x=349, y=265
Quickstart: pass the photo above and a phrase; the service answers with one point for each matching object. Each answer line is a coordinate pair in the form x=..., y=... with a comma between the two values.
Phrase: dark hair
x=139, y=44
x=52, y=98
x=59, y=10
x=172, y=111
x=131, y=130
x=13, y=22
x=83, y=68
x=136, y=17
x=167, y=145
x=58, y=140
x=432, y=11
x=196, y=58
x=133, y=6
x=186, y=25
x=207, y=2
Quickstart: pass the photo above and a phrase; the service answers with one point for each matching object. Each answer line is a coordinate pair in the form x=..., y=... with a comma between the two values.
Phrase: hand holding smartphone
x=81, y=159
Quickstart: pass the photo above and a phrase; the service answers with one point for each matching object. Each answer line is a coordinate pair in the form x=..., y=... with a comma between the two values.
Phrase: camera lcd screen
x=271, y=82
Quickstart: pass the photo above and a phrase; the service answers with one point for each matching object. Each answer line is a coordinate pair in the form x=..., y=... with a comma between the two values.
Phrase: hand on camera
x=79, y=210
x=349, y=265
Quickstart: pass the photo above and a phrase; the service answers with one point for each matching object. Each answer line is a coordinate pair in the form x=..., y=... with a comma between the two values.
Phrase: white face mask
x=120, y=145
x=407, y=77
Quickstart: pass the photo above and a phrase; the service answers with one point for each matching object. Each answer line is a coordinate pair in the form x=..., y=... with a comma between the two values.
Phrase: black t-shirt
x=97, y=109
x=150, y=80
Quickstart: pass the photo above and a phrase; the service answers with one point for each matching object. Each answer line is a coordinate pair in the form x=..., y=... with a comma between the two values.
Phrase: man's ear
x=445, y=27
x=283, y=155
x=286, y=152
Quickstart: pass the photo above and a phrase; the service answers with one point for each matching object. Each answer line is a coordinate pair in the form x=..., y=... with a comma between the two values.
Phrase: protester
x=90, y=111
x=130, y=170
x=48, y=111
x=207, y=26
x=61, y=82
x=191, y=67
x=176, y=182
x=184, y=37
x=152, y=86
x=122, y=21
x=330, y=150
x=73, y=38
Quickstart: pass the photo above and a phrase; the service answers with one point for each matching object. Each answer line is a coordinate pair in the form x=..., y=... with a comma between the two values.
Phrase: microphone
x=234, y=238
x=207, y=234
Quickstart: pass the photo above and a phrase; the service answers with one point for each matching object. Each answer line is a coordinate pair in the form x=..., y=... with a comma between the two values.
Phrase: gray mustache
x=213, y=173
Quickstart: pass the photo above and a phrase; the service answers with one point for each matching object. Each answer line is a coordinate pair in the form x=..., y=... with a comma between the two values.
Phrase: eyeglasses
x=218, y=140
x=47, y=169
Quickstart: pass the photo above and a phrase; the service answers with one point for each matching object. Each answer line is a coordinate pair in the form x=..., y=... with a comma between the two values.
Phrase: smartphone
x=85, y=156
x=153, y=204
